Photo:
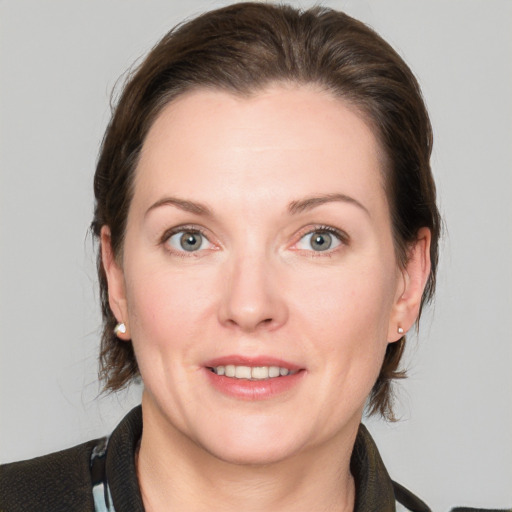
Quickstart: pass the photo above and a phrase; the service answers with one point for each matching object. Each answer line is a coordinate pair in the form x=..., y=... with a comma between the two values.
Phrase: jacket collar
x=374, y=487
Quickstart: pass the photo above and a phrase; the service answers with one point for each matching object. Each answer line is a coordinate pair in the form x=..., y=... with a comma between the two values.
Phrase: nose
x=253, y=297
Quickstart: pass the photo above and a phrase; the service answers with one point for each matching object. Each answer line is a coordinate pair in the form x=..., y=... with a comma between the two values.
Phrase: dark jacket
x=64, y=481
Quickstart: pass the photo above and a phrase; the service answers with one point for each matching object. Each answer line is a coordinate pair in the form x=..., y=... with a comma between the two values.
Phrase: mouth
x=253, y=378
x=254, y=373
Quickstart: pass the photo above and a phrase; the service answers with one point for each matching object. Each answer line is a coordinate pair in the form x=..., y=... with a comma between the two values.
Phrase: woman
x=269, y=234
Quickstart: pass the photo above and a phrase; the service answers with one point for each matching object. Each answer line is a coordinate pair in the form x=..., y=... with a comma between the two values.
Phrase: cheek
x=167, y=323
x=166, y=308
x=346, y=318
x=352, y=299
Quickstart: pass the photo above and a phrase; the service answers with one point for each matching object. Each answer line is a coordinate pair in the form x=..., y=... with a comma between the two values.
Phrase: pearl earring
x=400, y=330
x=120, y=329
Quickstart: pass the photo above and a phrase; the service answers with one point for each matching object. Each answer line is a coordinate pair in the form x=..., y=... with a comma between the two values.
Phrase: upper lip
x=240, y=360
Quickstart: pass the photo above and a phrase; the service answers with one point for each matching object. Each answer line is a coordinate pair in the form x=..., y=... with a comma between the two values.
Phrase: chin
x=254, y=444
x=251, y=455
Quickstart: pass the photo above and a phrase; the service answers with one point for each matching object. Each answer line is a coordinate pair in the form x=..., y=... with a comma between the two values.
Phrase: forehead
x=294, y=139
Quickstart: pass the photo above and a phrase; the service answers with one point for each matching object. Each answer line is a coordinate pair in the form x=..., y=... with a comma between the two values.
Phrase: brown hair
x=241, y=49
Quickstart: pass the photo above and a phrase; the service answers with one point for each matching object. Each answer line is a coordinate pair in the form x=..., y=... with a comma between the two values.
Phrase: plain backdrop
x=59, y=62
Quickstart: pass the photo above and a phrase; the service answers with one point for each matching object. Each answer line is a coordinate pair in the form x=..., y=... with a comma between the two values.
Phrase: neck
x=175, y=473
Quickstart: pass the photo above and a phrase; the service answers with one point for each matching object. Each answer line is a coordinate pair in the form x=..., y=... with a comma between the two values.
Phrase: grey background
x=59, y=62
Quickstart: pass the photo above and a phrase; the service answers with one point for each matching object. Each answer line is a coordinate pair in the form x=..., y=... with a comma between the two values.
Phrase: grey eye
x=189, y=241
x=318, y=241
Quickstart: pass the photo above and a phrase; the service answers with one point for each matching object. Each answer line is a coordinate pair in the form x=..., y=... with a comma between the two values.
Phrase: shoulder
x=406, y=501
x=55, y=482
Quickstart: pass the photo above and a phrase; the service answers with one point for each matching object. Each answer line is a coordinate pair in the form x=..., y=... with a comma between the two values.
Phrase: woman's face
x=258, y=243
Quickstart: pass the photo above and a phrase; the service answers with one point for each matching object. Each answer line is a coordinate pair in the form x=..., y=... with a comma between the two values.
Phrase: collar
x=374, y=487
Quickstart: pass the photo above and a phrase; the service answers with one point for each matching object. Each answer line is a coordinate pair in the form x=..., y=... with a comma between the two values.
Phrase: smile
x=253, y=378
x=251, y=372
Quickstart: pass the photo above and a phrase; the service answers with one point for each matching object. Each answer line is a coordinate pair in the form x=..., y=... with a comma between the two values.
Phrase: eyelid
x=340, y=235
x=184, y=228
x=177, y=229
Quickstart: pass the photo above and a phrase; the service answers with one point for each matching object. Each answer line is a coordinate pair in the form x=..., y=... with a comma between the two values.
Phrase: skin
x=256, y=286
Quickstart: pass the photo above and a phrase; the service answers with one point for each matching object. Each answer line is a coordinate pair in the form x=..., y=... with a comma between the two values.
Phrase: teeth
x=252, y=373
x=259, y=372
x=273, y=371
x=242, y=372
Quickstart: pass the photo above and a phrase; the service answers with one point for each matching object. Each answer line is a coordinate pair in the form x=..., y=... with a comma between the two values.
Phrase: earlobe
x=115, y=281
x=414, y=277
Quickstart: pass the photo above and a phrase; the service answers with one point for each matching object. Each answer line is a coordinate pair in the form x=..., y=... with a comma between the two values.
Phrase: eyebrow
x=309, y=203
x=182, y=204
x=294, y=208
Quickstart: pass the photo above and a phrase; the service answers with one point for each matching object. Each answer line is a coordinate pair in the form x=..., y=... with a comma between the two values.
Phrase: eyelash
x=179, y=229
x=341, y=236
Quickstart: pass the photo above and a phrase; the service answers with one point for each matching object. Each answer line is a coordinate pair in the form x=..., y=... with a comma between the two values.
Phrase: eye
x=319, y=240
x=188, y=240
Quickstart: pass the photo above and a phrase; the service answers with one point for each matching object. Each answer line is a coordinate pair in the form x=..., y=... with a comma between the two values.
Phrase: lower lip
x=245, y=389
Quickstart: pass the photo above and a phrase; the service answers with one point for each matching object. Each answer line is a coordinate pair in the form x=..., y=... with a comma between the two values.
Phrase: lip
x=253, y=390
x=239, y=360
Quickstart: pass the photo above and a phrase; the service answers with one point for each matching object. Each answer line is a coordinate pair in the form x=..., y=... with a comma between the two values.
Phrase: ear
x=115, y=281
x=414, y=278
